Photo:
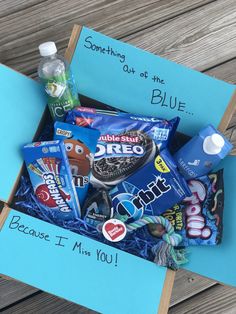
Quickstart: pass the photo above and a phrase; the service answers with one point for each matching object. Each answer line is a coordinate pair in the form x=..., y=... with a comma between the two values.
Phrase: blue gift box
x=75, y=267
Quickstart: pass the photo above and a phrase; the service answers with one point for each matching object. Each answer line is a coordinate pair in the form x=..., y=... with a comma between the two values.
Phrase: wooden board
x=54, y=20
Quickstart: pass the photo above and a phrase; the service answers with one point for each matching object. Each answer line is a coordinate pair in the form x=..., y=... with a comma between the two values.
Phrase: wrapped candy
x=199, y=218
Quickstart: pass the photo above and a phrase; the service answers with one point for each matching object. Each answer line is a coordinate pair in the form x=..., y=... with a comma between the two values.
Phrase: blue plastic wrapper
x=199, y=218
x=151, y=190
x=51, y=178
x=80, y=146
x=127, y=141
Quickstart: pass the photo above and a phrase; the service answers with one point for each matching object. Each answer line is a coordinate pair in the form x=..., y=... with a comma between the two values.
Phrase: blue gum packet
x=51, y=178
x=151, y=190
x=127, y=141
x=80, y=146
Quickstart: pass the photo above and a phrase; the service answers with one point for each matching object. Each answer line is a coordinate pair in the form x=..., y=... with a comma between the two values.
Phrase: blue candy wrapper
x=151, y=190
x=80, y=146
x=127, y=141
x=51, y=178
x=199, y=218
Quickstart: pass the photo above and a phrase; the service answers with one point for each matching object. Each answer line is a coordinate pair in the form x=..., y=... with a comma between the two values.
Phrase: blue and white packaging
x=127, y=141
x=80, y=146
x=151, y=190
x=202, y=153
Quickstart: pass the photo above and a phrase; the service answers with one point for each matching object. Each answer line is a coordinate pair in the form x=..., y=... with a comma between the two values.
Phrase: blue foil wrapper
x=151, y=190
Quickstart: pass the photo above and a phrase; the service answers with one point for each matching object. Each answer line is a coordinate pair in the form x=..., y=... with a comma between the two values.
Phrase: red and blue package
x=51, y=178
x=80, y=146
x=151, y=190
x=127, y=141
x=199, y=218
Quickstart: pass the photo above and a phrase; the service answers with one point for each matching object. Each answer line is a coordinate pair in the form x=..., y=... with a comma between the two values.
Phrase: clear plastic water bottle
x=54, y=72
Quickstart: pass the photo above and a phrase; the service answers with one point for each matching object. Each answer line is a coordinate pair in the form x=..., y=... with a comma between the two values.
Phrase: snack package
x=199, y=218
x=80, y=146
x=127, y=142
x=97, y=208
x=151, y=190
x=51, y=178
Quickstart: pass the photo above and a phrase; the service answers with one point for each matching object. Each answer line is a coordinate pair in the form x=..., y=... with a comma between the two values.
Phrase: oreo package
x=127, y=141
x=199, y=218
x=151, y=190
x=51, y=178
x=80, y=146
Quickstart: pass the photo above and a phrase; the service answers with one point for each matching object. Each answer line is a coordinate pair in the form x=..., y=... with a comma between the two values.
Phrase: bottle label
x=62, y=95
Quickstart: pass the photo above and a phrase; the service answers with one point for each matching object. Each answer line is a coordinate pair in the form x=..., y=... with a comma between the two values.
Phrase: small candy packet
x=97, y=208
x=51, y=178
x=199, y=218
x=150, y=191
x=80, y=146
x=127, y=141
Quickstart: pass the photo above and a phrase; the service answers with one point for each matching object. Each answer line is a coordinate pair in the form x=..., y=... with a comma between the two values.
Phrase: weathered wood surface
x=23, y=30
x=200, y=34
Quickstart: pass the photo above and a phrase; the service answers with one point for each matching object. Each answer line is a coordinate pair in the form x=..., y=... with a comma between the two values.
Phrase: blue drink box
x=49, y=170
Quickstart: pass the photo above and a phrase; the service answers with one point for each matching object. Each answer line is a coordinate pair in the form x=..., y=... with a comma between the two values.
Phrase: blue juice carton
x=51, y=178
x=151, y=190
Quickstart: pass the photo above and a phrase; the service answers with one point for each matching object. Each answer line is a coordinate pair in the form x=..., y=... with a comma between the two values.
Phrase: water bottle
x=54, y=73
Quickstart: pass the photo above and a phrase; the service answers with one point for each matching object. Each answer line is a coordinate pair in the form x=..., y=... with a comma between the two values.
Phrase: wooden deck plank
x=13, y=291
x=225, y=71
x=215, y=300
x=45, y=303
x=188, y=284
x=192, y=39
x=23, y=31
x=10, y=7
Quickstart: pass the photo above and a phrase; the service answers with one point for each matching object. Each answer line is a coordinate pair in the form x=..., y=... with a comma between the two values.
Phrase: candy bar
x=80, y=146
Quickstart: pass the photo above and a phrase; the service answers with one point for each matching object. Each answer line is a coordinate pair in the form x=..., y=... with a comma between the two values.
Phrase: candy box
x=49, y=170
x=70, y=265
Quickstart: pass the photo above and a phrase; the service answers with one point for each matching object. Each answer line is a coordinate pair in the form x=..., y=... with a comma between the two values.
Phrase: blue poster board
x=22, y=102
x=77, y=268
x=133, y=80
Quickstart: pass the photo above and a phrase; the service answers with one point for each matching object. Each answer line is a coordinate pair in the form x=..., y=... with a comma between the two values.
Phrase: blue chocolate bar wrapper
x=51, y=178
x=151, y=190
x=80, y=146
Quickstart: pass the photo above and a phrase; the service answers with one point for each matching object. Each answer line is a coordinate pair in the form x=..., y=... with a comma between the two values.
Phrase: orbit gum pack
x=50, y=175
x=151, y=190
x=127, y=141
x=80, y=146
